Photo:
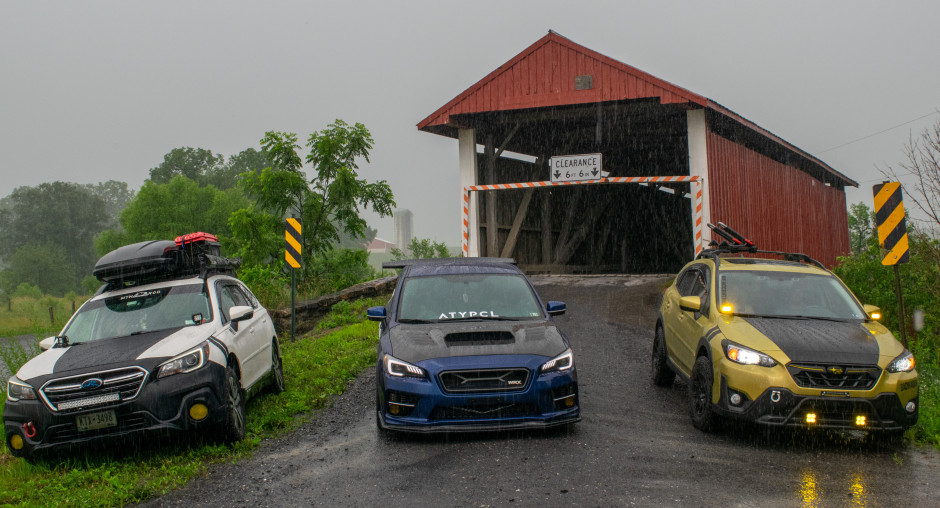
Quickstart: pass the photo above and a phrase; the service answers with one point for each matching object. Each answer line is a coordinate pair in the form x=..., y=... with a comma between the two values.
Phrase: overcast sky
x=99, y=90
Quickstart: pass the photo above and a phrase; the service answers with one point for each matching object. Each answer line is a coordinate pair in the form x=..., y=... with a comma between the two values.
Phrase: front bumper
x=162, y=407
x=422, y=406
x=769, y=396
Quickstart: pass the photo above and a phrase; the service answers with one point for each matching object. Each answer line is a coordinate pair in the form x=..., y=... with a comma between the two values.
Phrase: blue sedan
x=466, y=344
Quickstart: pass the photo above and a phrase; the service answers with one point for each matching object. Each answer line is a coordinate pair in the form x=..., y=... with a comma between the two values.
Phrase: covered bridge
x=558, y=98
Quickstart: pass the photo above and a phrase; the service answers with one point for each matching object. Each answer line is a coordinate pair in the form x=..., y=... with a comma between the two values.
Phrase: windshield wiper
x=478, y=318
x=62, y=341
x=413, y=321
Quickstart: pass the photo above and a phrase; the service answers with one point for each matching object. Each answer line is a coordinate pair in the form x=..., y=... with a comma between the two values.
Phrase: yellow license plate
x=93, y=421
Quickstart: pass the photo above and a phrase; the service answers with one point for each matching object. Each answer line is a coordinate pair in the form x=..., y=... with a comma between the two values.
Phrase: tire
x=700, y=395
x=233, y=424
x=277, y=370
x=661, y=373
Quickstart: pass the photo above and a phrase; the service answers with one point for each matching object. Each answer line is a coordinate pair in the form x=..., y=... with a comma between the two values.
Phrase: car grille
x=829, y=376
x=68, y=432
x=483, y=411
x=488, y=380
x=65, y=395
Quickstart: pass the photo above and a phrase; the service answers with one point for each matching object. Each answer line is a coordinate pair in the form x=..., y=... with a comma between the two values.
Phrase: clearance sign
x=889, y=219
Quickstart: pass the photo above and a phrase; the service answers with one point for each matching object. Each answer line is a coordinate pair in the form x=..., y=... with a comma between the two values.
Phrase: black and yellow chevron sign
x=889, y=219
x=292, y=235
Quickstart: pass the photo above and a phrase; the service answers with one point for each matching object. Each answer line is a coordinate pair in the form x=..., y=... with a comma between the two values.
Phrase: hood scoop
x=489, y=338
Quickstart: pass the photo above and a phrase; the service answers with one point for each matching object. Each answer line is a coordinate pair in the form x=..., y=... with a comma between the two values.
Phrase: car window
x=141, y=311
x=229, y=296
x=467, y=296
x=249, y=295
x=685, y=280
x=787, y=294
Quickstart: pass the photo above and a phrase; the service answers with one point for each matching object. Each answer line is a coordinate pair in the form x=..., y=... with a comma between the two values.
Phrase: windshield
x=467, y=296
x=787, y=294
x=140, y=312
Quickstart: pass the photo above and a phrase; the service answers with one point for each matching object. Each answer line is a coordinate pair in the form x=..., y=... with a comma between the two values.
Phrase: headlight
x=186, y=362
x=745, y=356
x=398, y=368
x=561, y=362
x=18, y=390
x=903, y=363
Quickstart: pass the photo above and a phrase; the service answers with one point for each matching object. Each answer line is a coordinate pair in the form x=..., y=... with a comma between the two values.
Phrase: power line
x=877, y=133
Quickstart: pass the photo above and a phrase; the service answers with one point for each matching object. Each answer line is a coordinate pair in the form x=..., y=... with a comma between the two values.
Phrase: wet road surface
x=634, y=447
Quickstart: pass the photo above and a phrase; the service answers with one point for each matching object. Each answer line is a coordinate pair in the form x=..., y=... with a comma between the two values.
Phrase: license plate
x=99, y=420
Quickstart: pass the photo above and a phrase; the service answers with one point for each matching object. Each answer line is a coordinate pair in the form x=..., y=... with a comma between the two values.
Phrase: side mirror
x=555, y=308
x=873, y=312
x=46, y=344
x=376, y=313
x=240, y=313
x=690, y=303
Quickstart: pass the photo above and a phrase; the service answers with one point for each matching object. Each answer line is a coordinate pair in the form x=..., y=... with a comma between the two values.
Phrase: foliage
x=338, y=269
x=860, y=226
x=115, y=195
x=27, y=312
x=422, y=249
x=48, y=268
x=167, y=210
x=206, y=168
x=268, y=282
x=315, y=368
x=326, y=205
x=62, y=214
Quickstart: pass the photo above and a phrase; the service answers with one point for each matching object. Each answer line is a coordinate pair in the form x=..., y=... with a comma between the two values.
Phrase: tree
x=860, y=226
x=193, y=163
x=115, y=195
x=922, y=156
x=64, y=214
x=165, y=211
x=422, y=249
x=327, y=204
x=47, y=266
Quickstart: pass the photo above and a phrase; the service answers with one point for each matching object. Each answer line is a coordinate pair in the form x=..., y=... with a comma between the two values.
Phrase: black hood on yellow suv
x=819, y=340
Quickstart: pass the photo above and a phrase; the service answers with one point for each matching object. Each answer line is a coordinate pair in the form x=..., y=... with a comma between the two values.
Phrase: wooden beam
x=507, y=140
x=517, y=223
x=546, y=224
x=492, y=224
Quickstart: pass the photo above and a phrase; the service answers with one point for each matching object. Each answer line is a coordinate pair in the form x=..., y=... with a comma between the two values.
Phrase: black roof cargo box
x=143, y=262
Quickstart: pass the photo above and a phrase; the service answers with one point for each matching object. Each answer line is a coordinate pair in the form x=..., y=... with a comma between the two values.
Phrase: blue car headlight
x=398, y=368
x=561, y=362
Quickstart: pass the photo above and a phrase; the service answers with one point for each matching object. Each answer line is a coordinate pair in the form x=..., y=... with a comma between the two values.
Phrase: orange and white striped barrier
x=694, y=181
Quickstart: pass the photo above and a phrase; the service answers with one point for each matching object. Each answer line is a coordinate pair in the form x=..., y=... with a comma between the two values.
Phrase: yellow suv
x=780, y=342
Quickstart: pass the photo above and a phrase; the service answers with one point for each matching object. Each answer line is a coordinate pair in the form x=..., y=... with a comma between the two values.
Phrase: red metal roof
x=543, y=75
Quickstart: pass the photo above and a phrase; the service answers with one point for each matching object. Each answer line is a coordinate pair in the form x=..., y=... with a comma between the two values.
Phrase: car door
x=689, y=326
x=247, y=339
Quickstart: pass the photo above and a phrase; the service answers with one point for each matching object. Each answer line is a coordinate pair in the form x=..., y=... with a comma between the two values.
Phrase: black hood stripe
x=820, y=341
x=100, y=353
x=413, y=343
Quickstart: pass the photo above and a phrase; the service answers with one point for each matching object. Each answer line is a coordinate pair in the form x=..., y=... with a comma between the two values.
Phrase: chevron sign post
x=292, y=255
x=892, y=236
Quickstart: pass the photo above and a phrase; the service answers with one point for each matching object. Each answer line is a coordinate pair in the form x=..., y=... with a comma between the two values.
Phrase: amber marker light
x=876, y=316
x=810, y=417
x=861, y=421
x=727, y=308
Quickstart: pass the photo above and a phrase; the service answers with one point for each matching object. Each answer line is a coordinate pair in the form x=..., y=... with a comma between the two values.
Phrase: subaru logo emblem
x=92, y=384
x=837, y=371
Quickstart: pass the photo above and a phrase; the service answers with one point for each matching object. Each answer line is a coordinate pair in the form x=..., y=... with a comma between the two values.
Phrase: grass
x=28, y=315
x=315, y=367
x=927, y=429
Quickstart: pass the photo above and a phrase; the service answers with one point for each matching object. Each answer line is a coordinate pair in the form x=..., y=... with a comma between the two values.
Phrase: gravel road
x=634, y=447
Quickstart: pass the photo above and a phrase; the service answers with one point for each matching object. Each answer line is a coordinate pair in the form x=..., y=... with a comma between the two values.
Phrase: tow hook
x=29, y=429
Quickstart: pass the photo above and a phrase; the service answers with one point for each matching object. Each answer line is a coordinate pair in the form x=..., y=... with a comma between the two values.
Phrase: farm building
x=660, y=161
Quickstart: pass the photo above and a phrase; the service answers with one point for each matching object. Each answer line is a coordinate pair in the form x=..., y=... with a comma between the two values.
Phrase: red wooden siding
x=544, y=75
x=777, y=206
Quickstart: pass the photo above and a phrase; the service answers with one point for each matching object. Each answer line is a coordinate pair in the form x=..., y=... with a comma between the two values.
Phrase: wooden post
x=517, y=224
x=492, y=225
x=546, y=223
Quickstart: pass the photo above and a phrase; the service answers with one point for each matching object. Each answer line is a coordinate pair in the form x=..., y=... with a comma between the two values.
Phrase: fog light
x=569, y=401
x=16, y=442
x=735, y=399
x=393, y=408
x=910, y=407
x=198, y=412
x=860, y=421
x=810, y=417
